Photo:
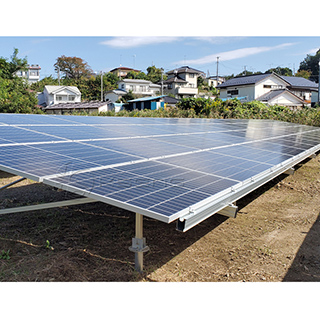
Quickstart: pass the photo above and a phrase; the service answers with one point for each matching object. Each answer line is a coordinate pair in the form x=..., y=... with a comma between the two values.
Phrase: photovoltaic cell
x=158, y=167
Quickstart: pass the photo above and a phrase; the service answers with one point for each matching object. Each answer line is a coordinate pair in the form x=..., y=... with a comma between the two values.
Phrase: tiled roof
x=147, y=98
x=124, y=68
x=238, y=81
x=274, y=93
x=78, y=105
x=185, y=69
x=175, y=79
x=298, y=82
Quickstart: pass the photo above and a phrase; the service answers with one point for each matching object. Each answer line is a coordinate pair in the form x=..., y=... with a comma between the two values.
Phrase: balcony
x=187, y=90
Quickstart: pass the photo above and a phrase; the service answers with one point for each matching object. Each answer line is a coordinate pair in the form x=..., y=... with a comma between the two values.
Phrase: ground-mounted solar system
x=169, y=169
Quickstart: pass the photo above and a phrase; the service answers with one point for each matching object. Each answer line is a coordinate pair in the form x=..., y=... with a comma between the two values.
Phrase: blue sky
x=105, y=53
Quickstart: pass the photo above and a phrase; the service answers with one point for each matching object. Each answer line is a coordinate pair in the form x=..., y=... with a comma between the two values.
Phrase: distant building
x=139, y=87
x=32, y=74
x=182, y=82
x=114, y=95
x=88, y=107
x=270, y=88
x=213, y=81
x=152, y=103
x=58, y=94
x=122, y=72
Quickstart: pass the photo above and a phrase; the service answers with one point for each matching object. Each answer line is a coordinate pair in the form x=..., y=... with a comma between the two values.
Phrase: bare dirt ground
x=275, y=237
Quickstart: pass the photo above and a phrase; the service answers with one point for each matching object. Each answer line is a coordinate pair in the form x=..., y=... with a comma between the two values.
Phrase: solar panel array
x=158, y=167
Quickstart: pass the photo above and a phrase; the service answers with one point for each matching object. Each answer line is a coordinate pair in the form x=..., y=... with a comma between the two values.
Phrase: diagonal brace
x=47, y=205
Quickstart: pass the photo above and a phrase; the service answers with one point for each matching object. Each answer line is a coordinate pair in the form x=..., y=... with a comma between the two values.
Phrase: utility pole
x=319, y=85
x=217, y=68
x=245, y=70
x=58, y=75
x=161, y=82
x=101, y=86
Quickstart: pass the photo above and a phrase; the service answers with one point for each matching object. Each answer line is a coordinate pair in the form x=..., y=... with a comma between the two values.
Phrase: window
x=59, y=98
x=191, y=75
x=71, y=98
x=233, y=92
x=267, y=86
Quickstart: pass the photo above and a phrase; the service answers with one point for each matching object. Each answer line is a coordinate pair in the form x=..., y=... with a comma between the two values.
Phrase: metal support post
x=139, y=243
x=12, y=183
x=290, y=171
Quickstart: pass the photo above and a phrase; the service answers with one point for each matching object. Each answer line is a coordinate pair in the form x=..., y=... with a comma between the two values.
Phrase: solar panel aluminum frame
x=214, y=204
x=108, y=200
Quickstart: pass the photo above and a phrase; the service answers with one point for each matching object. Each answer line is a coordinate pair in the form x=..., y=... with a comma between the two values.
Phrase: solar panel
x=162, y=168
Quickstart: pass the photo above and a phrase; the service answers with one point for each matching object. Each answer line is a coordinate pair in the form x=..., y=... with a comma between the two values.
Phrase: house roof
x=147, y=98
x=118, y=91
x=55, y=89
x=244, y=80
x=78, y=105
x=124, y=68
x=184, y=69
x=170, y=100
x=175, y=79
x=136, y=81
x=294, y=82
x=275, y=93
x=299, y=82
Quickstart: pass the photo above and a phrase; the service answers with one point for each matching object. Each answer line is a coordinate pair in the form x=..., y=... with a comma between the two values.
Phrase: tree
x=303, y=74
x=281, y=71
x=311, y=63
x=136, y=75
x=15, y=95
x=8, y=70
x=73, y=67
x=154, y=74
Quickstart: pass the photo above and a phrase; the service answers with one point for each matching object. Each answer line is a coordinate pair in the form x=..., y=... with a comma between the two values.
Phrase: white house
x=182, y=82
x=213, y=81
x=288, y=91
x=140, y=87
x=32, y=74
x=114, y=95
x=59, y=94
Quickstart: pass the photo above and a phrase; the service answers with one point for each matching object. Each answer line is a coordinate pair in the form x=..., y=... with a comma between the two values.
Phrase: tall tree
x=9, y=69
x=15, y=95
x=73, y=67
x=154, y=74
x=311, y=63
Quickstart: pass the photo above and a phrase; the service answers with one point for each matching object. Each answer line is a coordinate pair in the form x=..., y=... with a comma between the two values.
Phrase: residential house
x=286, y=91
x=152, y=103
x=32, y=74
x=114, y=95
x=88, y=107
x=182, y=82
x=213, y=81
x=59, y=94
x=139, y=87
x=122, y=72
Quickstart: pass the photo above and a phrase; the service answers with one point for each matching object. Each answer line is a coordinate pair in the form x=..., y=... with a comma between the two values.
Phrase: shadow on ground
x=306, y=264
x=90, y=242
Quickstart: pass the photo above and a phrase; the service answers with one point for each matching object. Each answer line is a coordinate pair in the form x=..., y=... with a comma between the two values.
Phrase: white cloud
x=231, y=55
x=312, y=51
x=130, y=42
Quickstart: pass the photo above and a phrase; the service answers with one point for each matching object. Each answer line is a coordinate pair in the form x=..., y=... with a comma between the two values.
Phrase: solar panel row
x=157, y=167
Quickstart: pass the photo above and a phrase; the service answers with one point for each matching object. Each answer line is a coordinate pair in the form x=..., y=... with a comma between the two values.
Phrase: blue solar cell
x=160, y=165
